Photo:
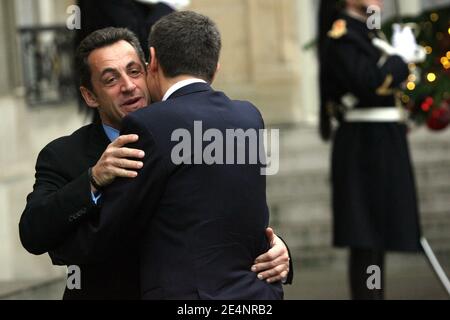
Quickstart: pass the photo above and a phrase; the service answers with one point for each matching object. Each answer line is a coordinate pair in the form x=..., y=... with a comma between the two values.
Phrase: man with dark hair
x=99, y=40
x=201, y=46
x=64, y=197
x=71, y=172
x=137, y=16
x=198, y=226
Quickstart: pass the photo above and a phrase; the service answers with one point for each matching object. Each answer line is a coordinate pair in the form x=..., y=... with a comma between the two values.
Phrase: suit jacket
x=198, y=227
x=60, y=202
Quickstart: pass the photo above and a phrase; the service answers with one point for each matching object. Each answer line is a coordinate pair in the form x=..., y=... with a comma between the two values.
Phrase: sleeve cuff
x=95, y=197
x=290, y=277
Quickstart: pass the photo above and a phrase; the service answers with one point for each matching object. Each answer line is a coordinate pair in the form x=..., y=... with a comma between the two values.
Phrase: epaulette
x=338, y=30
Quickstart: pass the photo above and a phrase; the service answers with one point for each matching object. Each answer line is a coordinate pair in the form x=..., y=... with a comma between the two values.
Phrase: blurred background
x=268, y=58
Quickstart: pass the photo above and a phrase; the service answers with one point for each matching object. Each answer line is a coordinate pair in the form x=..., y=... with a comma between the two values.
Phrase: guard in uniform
x=374, y=195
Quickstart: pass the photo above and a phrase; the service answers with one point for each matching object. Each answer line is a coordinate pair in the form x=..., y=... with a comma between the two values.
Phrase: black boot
x=360, y=261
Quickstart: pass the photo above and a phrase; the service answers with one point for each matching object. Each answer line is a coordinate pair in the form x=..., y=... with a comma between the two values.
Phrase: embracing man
x=194, y=230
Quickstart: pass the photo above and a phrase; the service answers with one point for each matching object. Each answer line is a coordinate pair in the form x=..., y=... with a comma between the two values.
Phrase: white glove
x=404, y=42
x=176, y=4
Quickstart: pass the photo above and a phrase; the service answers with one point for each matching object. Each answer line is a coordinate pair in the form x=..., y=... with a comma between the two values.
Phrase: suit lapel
x=97, y=142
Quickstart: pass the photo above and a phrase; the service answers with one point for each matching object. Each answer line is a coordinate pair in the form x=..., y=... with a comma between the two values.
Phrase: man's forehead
x=119, y=54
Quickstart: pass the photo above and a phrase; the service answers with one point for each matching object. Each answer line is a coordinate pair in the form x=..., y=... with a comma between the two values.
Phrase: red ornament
x=440, y=117
x=427, y=104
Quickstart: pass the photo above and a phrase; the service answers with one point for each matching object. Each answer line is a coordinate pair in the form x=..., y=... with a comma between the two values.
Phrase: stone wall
x=24, y=132
x=262, y=61
x=261, y=53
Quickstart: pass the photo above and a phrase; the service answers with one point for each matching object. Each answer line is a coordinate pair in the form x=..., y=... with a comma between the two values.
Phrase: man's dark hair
x=186, y=43
x=99, y=39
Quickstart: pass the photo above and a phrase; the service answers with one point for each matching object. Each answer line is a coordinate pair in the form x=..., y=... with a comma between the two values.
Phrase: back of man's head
x=186, y=43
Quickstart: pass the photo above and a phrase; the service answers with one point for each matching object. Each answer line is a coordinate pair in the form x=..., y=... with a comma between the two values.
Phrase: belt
x=385, y=114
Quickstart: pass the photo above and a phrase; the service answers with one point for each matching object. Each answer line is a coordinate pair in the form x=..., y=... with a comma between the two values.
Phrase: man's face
x=119, y=82
x=368, y=3
x=362, y=5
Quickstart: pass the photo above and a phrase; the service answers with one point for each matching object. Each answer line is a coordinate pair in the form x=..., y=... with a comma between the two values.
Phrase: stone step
x=311, y=244
x=408, y=277
x=301, y=143
x=316, y=184
x=316, y=146
x=431, y=221
x=426, y=196
x=307, y=227
x=292, y=214
x=300, y=201
x=320, y=158
x=307, y=137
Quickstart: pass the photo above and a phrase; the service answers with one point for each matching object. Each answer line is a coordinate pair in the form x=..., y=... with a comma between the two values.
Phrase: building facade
x=263, y=60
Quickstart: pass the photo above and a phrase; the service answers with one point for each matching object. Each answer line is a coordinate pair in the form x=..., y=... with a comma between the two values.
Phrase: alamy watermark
x=73, y=22
x=73, y=277
x=374, y=280
x=374, y=18
x=241, y=147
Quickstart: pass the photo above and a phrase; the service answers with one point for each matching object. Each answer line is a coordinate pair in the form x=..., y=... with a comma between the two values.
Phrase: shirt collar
x=174, y=4
x=177, y=86
x=112, y=133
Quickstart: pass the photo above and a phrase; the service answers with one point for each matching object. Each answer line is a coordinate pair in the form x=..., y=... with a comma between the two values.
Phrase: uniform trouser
x=360, y=261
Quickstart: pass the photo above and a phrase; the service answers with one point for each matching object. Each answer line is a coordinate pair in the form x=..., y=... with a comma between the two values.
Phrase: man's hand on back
x=273, y=265
x=115, y=162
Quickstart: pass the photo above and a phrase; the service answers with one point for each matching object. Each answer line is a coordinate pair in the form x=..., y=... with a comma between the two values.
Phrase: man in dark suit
x=135, y=15
x=198, y=226
x=64, y=196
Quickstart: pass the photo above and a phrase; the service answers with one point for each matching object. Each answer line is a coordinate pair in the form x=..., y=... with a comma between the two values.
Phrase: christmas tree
x=427, y=92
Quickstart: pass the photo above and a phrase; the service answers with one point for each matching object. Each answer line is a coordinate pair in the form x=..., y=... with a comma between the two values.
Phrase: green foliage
x=433, y=32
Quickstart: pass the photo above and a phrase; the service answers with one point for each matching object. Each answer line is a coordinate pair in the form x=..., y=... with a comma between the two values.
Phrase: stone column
x=261, y=53
x=18, y=153
x=307, y=13
x=8, y=49
x=53, y=11
x=410, y=7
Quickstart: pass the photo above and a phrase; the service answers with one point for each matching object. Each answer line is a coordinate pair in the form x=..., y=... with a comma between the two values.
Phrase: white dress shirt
x=180, y=85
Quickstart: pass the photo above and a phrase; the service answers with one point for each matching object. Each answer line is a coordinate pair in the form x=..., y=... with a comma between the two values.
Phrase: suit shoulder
x=250, y=113
x=76, y=138
x=158, y=113
x=248, y=106
x=153, y=109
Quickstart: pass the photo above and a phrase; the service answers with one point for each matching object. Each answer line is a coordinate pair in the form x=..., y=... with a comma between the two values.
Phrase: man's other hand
x=115, y=161
x=273, y=265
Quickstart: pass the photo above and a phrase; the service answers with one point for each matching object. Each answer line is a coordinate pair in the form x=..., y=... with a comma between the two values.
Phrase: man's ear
x=215, y=73
x=153, y=65
x=89, y=97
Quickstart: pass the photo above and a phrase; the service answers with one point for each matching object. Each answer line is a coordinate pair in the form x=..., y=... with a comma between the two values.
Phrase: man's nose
x=128, y=84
